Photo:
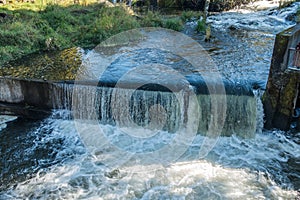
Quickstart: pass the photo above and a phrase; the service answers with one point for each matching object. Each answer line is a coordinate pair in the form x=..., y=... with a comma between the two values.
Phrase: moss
x=288, y=93
x=61, y=65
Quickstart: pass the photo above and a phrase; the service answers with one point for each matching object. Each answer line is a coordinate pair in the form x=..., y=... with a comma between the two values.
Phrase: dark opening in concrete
x=298, y=97
x=296, y=113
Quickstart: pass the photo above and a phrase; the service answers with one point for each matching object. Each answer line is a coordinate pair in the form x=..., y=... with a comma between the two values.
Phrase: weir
x=158, y=80
x=147, y=108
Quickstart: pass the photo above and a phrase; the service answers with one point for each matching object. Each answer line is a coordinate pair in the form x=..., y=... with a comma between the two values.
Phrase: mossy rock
x=60, y=65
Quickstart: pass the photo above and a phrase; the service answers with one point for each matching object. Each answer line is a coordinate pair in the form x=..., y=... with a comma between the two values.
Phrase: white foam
x=4, y=119
x=236, y=168
x=267, y=20
x=191, y=179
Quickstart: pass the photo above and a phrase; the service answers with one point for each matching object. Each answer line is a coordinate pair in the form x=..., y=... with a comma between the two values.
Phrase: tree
x=206, y=7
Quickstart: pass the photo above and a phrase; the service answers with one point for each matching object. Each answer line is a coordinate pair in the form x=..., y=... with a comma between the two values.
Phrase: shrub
x=20, y=35
x=190, y=15
x=174, y=24
x=115, y=20
x=201, y=26
x=152, y=19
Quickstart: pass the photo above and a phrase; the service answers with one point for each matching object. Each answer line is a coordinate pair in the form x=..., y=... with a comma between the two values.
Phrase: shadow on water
x=27, y=147
x=14, y=140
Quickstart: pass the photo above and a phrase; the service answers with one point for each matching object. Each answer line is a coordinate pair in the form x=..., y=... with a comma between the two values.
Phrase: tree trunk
x=207, y=29
x=206, y=7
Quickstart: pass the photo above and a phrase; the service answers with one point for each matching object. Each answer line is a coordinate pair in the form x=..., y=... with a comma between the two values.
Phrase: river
x=49, y=158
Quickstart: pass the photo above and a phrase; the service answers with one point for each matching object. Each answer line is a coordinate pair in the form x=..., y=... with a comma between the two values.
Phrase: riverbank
x=35, y=28
x=56, y=27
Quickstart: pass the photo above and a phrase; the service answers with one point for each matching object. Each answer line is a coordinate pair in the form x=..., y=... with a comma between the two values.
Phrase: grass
x=34, y=27
x=57, y=27
x=174, y=23
x=191, y=15
x=154, y=19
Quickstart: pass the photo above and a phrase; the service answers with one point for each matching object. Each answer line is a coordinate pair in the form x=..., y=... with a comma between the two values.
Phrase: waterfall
x=61, y=95
x=127, y=107
x=162, y=110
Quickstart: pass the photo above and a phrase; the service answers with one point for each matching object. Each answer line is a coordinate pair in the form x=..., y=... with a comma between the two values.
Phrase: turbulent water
x=62, y=158
x=242, y=41
x=54, y=164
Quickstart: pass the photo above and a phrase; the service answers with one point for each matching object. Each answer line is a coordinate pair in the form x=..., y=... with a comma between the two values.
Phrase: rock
x=113, y=174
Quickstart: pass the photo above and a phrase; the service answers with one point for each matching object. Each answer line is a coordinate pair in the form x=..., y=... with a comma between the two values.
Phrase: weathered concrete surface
x=10, y=91
x=281, y=93
x=26, y=97
x=30, y=92
x=31, y=98
x=35, y=99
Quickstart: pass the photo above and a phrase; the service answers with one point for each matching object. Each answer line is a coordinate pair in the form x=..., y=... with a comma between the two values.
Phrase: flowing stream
x=64, y=157
x=242, y=42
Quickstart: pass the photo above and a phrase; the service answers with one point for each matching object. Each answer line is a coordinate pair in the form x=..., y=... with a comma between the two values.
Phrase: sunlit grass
x=57, y=27
x=32, y=27
x=39, y=5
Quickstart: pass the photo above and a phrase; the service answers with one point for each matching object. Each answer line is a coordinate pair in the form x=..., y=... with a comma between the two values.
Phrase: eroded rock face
x=280, y=98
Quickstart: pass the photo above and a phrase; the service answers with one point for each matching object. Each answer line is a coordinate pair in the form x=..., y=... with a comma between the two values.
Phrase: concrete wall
x=281, y=91
x=30, y=98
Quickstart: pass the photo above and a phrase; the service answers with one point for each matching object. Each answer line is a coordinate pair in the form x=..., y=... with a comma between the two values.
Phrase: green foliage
x=24, y=31
x=18, y=38
x=37, y=6
x=58, y=16
x=9, y=53
x=174, y=24
x=115, y=20
x=201, y=26
x=190, y=15
x=152, y=19
x=54, y=28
